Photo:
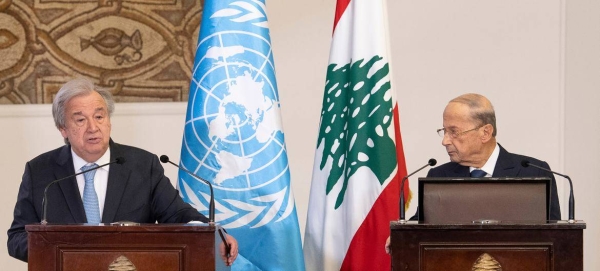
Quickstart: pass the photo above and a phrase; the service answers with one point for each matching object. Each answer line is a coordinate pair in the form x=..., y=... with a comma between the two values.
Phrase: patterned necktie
x=90, y=199
x=478, y=173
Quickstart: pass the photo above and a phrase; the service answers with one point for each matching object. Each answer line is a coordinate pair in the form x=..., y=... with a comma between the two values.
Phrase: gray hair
x=72, y=89
x=481, y=109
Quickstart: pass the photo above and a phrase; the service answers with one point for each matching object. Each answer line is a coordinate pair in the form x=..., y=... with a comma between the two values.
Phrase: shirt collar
x=78, y=162
x=490, y=164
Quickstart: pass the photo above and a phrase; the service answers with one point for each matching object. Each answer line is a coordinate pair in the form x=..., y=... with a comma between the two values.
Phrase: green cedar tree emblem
x=357, y=112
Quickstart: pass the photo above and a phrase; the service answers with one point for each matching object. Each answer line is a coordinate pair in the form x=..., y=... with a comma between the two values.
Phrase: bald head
x=480, y=108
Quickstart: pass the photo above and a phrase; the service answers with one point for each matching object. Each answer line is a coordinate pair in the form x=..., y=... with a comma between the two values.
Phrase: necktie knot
x=89, y=166
x=90, y=198
x=478, y=173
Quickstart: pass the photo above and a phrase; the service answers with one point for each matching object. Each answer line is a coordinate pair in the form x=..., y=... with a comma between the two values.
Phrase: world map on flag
x=242, y=120
x=233, y=138
x=234, y=133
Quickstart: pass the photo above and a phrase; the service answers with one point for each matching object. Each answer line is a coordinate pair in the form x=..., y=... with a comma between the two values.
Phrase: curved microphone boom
x=118, y=160
x=526, y=163
x=211, y=208
x=431, y=162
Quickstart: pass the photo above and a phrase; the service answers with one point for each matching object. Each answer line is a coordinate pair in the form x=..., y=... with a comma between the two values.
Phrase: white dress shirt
x=100, y=178
x=490, y=164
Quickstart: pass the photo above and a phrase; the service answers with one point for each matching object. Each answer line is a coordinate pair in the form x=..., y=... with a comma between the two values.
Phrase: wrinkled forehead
x=90, y=102
x=456, y=115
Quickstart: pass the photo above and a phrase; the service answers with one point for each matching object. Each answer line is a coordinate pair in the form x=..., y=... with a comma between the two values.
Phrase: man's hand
x=388, y=249
x=229, y=258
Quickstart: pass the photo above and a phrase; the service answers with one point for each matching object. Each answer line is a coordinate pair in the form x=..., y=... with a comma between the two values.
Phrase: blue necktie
x=90, y=199
x=478, y=173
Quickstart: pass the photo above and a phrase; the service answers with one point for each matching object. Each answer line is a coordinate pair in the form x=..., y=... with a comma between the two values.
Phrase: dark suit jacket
x=137, y=191
x=508, y=165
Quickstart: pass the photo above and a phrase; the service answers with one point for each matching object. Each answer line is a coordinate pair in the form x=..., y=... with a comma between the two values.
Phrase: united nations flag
x=233, y=137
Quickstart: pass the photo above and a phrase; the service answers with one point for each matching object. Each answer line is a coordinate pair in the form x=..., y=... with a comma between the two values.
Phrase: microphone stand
x=211, y=208
x=526, y=163
x=402, y=219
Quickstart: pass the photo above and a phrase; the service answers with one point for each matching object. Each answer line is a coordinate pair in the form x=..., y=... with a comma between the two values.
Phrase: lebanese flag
x=359, y=158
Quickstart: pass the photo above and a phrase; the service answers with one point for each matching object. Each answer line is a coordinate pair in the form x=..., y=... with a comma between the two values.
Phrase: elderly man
x=136, y=190
x=469, y=136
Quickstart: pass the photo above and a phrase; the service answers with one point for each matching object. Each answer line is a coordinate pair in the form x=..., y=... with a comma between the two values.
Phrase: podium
x=146, y=247
x=552, y=246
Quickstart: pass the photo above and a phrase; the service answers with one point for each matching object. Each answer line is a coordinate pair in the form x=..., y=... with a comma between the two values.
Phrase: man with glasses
x=469, y=136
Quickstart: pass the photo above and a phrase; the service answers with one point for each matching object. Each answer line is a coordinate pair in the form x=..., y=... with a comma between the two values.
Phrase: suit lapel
x=69, y=187
x=118, y=177
x=506, y=166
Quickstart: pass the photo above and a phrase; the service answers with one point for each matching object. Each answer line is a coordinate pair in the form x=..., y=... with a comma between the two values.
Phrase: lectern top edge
x=179, y=227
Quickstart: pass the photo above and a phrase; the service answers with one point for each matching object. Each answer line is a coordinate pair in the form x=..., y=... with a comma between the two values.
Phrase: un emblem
x=233, y=133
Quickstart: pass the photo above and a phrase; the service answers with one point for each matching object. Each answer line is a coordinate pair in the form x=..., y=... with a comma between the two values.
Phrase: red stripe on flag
x=400, y=157
x=340, y=8
x=367, y=248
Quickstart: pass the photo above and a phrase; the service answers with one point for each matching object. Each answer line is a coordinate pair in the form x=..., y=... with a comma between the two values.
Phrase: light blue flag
x=233, y=137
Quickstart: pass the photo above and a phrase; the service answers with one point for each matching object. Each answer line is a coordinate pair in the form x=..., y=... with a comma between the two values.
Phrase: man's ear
x=488, y=131
x=63, y=132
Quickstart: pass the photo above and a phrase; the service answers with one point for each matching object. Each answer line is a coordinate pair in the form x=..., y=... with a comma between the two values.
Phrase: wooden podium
x=552, y=246
x=146, y=247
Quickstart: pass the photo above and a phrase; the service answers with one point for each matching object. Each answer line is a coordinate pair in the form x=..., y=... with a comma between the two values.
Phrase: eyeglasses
x=453, y=134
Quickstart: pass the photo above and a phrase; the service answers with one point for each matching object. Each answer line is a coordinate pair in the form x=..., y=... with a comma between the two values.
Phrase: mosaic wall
x=141, y=49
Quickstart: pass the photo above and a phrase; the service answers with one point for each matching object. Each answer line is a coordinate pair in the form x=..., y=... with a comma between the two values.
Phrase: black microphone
x=431, y=162
x=526, y=163
x=118, y=160
x=211, y=208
